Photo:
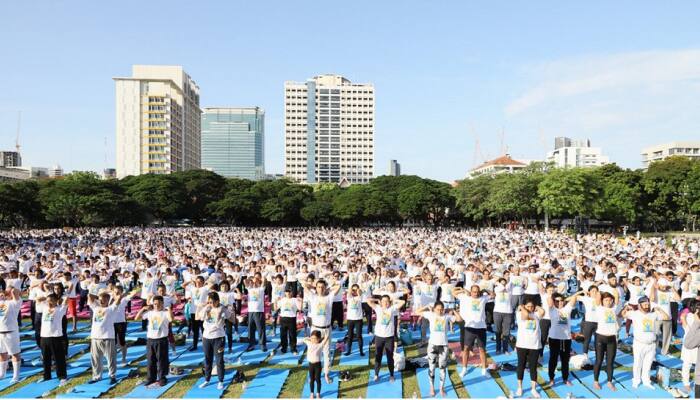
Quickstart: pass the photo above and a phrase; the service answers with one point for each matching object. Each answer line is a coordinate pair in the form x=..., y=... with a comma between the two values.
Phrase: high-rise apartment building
x=233, y=141
x=10, y=159
x=690, y=149
x=394, y=168
x=576, y=153
x=157, y=121
x=329, y=130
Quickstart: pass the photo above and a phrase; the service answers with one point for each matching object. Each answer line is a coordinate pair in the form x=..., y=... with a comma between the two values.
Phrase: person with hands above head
x=157, y=355
x=560, y=334
x=607, y=329
x=439, y=321
x=320, y=300
x=53, y=347
x=354, y=316
x=105, y=307
x=288, y=307
x=384, y=332
x=528, y=344
x=663, y=295
x=645, y=322
x=315, y=344
x=256, y=312
x=472, y=310
x=213, y=316
x=10, y=308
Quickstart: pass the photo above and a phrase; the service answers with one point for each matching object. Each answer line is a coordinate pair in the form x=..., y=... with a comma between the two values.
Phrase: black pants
x=697, y=391
x=674, y=317
x=54, y=348
x=315, y=377
x=228, y=325
x=559, y=350
x=197, y=328
x=367, y=312
x=237, y=305
x=120, y=333
x=354, y=330
x=158, y=362
x=288, y=333
x=37, y=328
x=256, y=321
x=605, y=346
x=337, y=314
x=529, y=357
x=384, y=345
x=64, y=324
x=588, y=330
x=545, y=324
x=502, y=323
x=213, y=349
x=489, y=316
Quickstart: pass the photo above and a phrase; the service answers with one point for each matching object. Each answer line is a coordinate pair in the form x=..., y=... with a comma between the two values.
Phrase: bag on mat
x=406, y=337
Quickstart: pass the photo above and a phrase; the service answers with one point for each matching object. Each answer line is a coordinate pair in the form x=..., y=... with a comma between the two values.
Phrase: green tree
x=348, y=205
x=238, y=205
x=471, y=196
x=160, y=196
x=664, y=184
x=201, y=189
x=427, y=201
x=569, y=192
x=19, y=204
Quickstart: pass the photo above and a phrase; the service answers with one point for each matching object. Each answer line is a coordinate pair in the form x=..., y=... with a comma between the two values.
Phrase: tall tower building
x=233, y=141
x=10, y=159
x=329, y=130
x=157, y=121
x=394, y=168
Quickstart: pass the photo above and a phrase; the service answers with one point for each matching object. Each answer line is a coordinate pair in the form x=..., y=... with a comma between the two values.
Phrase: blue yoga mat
x=288, y=358
x=189, y=358
x=136, y=335
x=23, y=373
x=478, y=386
x=383, y=389
x=142, y=392
x=355, y=358
x=79, y=335
x=133, y=353
x=586, y=377
x=266, y=384
x=424, y=384
x=642, y=392
x=37, y=389
x=327, y=391
x=27, y=345
x=669, y=361
x=93, y=391
x=210, y=391
x=250, y=357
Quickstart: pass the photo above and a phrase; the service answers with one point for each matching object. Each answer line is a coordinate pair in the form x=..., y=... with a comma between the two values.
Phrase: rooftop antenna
x=19, y=123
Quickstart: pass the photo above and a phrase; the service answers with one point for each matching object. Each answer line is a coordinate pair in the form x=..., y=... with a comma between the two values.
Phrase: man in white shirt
x=644, y=323
x=9, y=332
x=320, y=301
x=52, y=342
x=102, y=336
x=157, y=341
x=288, y=307
x=213, y=316
x=472, y=309
x=256, y=312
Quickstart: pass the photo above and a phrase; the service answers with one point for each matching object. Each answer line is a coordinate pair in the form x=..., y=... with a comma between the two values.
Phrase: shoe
x=347, y=353
x=250, y=348
x=62, y=382
x=362, y=354
x=112, y=381
x=204, y=384
x=13, y=381
x=220, y=386
x=463, y=372
x=284, y=351
x=264, y=349
x=93, y=380
x=635, y=385
x=154, y=385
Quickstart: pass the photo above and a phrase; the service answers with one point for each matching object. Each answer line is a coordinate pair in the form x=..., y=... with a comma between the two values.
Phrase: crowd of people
x=319, y=280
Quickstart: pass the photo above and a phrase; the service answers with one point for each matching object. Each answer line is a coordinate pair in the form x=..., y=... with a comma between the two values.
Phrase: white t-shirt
x=607, y=321
x=502, y=302
x=9, y=309
x=320, y=310
x=438, y=328
x=214, y=323
x=198, y=297
x=590, y=307
x=518, y=284
x=644, y=325
x=120, y=315
x=158, y=323
x=288, y=307
x=103, y=318
x=51, y=322
x=472, y=310
x=384, y=327
x=663, y=300
x=561, y=323
x=528, y=332
x=256, y=299
x=354, y=308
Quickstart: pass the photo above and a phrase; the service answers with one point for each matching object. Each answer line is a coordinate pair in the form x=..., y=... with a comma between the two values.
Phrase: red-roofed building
x=503, y=164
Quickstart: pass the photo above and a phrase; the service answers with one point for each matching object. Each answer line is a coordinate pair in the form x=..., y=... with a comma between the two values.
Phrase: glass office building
x=233, y=141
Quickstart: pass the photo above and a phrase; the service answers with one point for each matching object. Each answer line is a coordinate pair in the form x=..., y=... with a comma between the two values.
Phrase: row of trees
x=666, y=196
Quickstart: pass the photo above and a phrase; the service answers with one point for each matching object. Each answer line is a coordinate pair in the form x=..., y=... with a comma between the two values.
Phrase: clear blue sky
x=625, y=74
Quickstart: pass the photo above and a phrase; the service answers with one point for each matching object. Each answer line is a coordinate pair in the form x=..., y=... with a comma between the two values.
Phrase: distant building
x=13, y=174
x=56, y=171
x=273, y=177
x=690, y=149
x=233, y=141
x=157, y=121
x=10, y=159
x=109, y=173
x=500, y=165
x=394, y=168
x=329, y=130
x=576, y=153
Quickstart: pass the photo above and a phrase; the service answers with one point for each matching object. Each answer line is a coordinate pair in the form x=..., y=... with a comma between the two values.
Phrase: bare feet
x=596, y=386
x=376, y=378
x=328, y=380
x=312, y=396
x=519, y=392
x=432, y=391
x=551, y=383
x=568, y=383
x=687, y=388
x=534, y=393
x=612, y=387
x=391, y=379
x=442, y=392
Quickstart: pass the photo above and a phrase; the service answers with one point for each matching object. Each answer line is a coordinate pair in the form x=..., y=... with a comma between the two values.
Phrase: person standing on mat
x=502, y=315
x=645, y=321
x=689, y=356
x=157, y=341
x=354, y=316
x=256, y=312
x=213, y=317
x=662, y=295
x=437, y=343
x=320, y=300
x=589, y=325
x=120, y=321
x=70, y=284
x=560, y=335
x=196, y=293
x=472, y=309
x=691, y=341
x=606, y=336
x=288, y=307
x=528, y=344
x=315, y=345
x=384, y=333
x=52, y=344
x=102, y=336
x=10, y=308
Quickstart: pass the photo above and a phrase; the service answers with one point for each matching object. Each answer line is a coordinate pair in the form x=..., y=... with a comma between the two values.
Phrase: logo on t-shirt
x=663, y=299
x=354, y=305
x=476, y=305
x=386, y=318
x=530, y=325
x=98, y=317
x=254, y=297
x=609, y=317
x=563, y=319
x=48, y=316
x=321, y=309
x=647, y=325
x=3, y=310
x=155, y=321
x=440, y=325
x=502, y=297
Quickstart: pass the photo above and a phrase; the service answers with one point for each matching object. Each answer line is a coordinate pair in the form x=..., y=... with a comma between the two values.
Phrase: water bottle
x=415, y=396
x=570, y=395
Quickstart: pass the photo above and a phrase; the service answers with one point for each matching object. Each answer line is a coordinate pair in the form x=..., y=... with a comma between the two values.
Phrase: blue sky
x=625, y=74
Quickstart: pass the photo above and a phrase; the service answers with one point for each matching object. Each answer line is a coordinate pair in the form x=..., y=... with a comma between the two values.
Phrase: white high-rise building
x=690, y=149
x=157, y=121
x=570, y=153
x=329, y=130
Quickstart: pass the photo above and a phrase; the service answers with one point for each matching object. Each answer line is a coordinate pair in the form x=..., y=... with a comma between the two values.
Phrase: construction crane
x=19, y=122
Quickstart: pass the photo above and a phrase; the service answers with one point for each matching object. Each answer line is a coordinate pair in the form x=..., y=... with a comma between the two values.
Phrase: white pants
x=644, y=355
x=685, y=372
x=326, y=349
